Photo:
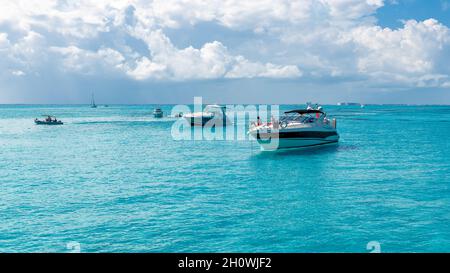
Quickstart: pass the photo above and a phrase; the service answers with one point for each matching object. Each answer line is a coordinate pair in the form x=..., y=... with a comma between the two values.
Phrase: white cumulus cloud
x=71, y=25
x=412, y=52
x=315, y=39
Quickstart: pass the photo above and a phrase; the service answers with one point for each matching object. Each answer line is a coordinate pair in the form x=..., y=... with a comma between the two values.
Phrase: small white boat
x=158, y=113
x=214, y=112
x=296, y=129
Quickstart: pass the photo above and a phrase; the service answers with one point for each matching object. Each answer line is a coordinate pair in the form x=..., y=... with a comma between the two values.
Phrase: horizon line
x=130, y=104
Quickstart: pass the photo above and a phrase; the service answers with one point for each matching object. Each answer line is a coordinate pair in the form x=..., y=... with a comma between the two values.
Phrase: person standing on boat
x=274, y=122
x=318, y=114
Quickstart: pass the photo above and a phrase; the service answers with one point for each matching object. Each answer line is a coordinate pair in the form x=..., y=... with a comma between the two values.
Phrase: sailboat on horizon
x=93, y=105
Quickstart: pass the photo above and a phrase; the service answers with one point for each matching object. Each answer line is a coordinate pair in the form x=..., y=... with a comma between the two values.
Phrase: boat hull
x=158, y=115
x=299, y=139
x=48, y=123
x=202, y=121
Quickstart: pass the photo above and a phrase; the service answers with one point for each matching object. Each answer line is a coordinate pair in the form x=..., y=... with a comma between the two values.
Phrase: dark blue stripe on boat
x=303, y=134
x=203, y=120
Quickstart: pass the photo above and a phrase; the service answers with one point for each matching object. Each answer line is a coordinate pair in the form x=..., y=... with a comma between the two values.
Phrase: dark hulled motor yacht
x=296, y=129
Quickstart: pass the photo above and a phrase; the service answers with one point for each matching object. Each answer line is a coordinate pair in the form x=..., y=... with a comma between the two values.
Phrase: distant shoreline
x=141, y=104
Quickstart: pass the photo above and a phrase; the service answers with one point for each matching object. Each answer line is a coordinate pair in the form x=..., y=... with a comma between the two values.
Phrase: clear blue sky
x=373, y=51
x=391, y=15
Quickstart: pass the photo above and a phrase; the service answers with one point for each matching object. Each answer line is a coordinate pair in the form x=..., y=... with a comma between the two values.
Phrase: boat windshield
x=214, y=109
x=295, y=117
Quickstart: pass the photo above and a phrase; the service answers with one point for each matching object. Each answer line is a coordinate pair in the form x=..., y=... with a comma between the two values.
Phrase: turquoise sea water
x=113, y=180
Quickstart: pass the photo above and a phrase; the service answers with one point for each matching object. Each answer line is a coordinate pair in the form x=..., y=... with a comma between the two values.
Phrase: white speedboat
x=296, y=129
x=158, y=113
x=213, y=114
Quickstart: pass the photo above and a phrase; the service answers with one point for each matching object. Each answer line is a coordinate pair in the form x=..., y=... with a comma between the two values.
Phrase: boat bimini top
x=304, y=111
